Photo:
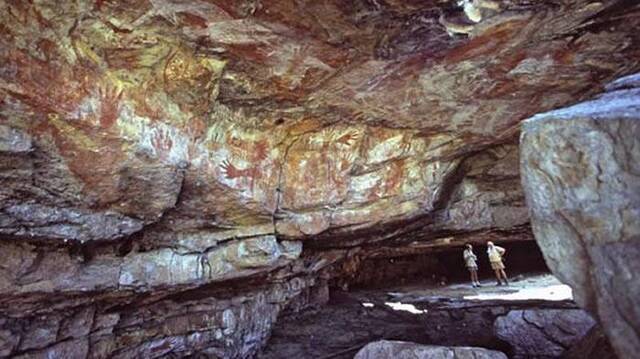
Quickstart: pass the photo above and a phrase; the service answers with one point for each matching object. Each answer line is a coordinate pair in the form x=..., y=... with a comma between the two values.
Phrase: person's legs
x=497, y=271
x=474, y=277
x=504, y=276
x=473, y=283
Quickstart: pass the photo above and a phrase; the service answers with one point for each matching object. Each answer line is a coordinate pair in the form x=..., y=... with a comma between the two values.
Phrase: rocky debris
x=449, y=316
x=542, y=333
x=580, y=173
x=386, y=349
x=338, y=329
x=497, y=325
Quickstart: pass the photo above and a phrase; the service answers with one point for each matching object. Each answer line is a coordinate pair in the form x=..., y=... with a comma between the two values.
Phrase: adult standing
x=495, y=254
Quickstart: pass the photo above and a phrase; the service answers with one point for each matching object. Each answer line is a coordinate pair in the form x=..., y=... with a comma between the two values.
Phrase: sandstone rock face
x=210, y=116
x=151, y=148
x=580, y=170
x=542, y=333
x=386, y=349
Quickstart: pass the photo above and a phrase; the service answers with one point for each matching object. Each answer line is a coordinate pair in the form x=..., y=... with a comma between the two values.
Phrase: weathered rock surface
x=449, y=316
x=542, y=333
x=581, y=173
x=594, y=345
x=386, y=349
x=206, y=116
x=179, y=326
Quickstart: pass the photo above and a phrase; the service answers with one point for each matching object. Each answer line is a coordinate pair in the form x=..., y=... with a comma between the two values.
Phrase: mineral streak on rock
x=304, y=111
x=580, y=174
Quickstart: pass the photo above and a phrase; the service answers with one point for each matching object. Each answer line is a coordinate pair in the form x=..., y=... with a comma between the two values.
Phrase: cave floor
x=522, y=287
x=410, y=312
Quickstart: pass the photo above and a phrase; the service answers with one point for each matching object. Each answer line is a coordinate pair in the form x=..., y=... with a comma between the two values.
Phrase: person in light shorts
x=495, y=254
x=470, y=261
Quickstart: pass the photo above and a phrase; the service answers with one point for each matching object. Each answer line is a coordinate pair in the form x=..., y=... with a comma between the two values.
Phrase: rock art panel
x=208, y=115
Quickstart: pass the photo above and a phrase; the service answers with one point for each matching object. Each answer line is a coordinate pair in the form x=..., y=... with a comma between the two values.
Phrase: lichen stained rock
x=580, y=174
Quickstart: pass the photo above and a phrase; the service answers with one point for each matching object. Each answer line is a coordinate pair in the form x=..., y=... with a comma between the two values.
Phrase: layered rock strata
x=518, y=328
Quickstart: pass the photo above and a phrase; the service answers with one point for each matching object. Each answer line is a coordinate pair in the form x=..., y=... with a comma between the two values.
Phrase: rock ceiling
x=292, y=117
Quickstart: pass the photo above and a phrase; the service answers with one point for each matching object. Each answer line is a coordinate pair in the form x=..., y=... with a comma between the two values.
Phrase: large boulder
x=581, y=175
x=387, y=349
x=542, y=333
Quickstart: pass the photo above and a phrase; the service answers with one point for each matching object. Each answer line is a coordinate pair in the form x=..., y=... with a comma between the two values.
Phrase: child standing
x=470, y=261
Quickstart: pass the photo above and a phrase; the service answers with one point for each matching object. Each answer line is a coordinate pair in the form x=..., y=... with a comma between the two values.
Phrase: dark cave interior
x=441, y=266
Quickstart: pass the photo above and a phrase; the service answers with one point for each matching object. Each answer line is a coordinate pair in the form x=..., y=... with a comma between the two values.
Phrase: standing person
x=470, y=261
x=495, y=254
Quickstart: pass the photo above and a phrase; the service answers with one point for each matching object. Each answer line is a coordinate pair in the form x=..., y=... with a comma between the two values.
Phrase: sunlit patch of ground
x=452, y=314
x=553, y=292
x=405, y=307
x=531, y=287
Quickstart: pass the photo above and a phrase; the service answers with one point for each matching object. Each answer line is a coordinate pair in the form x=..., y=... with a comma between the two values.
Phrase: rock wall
x=216, y=320
x=580, y=171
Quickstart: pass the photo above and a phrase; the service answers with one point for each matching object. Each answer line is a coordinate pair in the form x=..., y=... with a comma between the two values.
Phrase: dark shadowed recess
x=442, y=266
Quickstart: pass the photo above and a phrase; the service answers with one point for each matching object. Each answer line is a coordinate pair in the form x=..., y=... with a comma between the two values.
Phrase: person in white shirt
x=495, y=254
x=471, y=264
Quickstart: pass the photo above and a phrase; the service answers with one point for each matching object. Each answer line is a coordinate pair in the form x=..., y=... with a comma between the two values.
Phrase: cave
x=425, y=298
x=294, y=178
x=437, y=267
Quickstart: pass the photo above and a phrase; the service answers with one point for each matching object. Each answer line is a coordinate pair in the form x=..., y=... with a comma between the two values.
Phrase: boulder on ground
x=581, y=174
x=544, y=332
